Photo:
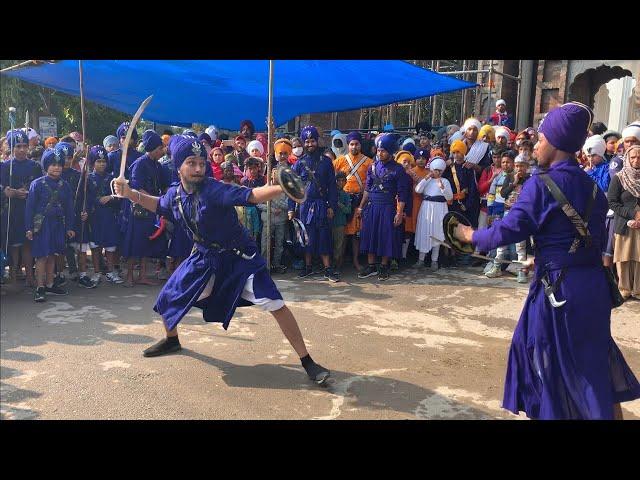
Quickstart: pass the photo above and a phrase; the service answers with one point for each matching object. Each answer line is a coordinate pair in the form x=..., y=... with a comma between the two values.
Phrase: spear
x=12, y=123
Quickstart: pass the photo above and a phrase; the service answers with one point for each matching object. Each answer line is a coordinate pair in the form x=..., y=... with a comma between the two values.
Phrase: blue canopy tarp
x=225, y=92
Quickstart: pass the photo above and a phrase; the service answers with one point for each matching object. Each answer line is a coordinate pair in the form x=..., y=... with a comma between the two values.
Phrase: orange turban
x=436, y=152
x=50, y=142
x=402, y=155
x=165, y=139
x=283, y=145
x=458, y=146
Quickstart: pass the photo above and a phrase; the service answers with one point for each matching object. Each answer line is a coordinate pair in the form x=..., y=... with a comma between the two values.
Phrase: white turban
x=437, y=164
x=407, y=142
x=472, y=122
x=31, y=133
x=456, y=136
x=253, y=145
x=520, y=159
x=595, y=145
x=501, y=102
x=502, y=132
x=632, y=130
x=212, y=131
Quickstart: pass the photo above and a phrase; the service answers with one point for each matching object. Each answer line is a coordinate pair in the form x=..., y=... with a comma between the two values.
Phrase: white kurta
x=431, y=213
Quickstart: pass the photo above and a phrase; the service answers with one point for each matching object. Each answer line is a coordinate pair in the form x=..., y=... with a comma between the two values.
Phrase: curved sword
x=127, y=139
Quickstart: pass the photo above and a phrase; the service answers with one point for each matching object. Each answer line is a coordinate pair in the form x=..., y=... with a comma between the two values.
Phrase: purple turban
x=65, y=149
x=16, y=137
x=309, y=132
x=122, y=131
x=151, y=140
x=566, y=127
x=51, y=157
x=354, y=136
x=387, y=142
x=423, y=152
x=410, y=147
x=205, y=137
x=184, y=147
x=95, y=153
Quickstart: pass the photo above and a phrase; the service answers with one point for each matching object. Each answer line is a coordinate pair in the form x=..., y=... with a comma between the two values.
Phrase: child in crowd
x=340, y=220
x=278, y=228
x=525, y=150
x=436, y=192
x=49, y=218
x=509, y=191
x=105, y=215
x=252, y=179
x=487, y=177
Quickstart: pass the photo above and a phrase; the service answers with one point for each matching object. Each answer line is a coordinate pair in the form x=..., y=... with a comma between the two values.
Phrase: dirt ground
x=419, y=346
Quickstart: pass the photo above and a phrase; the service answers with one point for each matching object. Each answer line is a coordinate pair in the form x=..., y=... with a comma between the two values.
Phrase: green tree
x=40, y=101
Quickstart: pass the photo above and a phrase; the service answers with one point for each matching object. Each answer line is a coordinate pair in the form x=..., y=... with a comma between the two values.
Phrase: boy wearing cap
x=49, y=221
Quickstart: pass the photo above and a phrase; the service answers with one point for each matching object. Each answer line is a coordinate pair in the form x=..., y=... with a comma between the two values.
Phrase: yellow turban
x=404, y=155
x=487, y=130
x=458, y=146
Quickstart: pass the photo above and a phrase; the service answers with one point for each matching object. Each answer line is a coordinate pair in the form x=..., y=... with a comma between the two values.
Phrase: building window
x=551, y=72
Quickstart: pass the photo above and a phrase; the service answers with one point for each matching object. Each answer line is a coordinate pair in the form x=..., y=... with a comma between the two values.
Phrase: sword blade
x=132, y=126
x=475, y=255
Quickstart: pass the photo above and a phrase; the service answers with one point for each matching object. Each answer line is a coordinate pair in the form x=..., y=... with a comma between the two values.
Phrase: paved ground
x=420, y=346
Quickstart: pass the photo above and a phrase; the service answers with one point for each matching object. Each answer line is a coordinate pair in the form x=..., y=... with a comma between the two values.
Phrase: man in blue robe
x=146, y=176
x=16, y=175
x=317, y=211
x=563, y=362
x=382, y=209
x=225, y=270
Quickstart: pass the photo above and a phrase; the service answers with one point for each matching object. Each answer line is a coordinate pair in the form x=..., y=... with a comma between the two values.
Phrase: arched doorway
x=586, y=85
x=615, y=103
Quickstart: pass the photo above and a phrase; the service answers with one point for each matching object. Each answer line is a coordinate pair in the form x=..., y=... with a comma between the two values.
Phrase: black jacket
x=623, y=204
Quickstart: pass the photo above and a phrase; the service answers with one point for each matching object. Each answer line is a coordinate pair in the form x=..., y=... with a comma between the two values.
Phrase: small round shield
x=291, y=184
x=449, y=223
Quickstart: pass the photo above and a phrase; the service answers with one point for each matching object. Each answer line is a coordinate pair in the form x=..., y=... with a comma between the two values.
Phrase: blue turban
x=410, y=147
x=186, y=146
x=354, y=136
x=96, y=152
x=388, y=143
x=151, y=140
x=122, y=131
x=51, y=157
x=309, y=132
x=190, y=133
x=335, y=132
x=566, y=127
x=423, y=152
x=65, y=149
x=16, y=137
x=205, y=137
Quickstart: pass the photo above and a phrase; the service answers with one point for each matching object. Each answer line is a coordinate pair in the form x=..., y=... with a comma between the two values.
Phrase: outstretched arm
x=147, y=201
x=264, y=193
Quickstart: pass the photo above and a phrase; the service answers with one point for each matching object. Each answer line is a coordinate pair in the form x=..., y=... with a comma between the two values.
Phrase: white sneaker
x=113, y=277
x=97, y=278
x=495, y=272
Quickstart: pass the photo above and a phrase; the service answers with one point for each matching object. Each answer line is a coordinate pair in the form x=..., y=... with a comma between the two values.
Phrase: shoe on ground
x=369, y=271
x=494, y=272
x=40, y=295
x=383, y=274
x=419, y=264
x=394, y=265
x=97, y=278
x=522, y=277
x=317, y=373
x=59, y=281
x=306, y=272
x=331, y=275
x=113, y=277
x=86, y=282
x=163, y=347
x=55, y=290
x=434, y=266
